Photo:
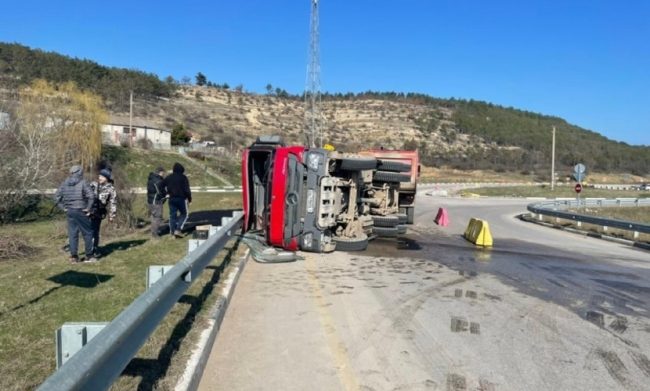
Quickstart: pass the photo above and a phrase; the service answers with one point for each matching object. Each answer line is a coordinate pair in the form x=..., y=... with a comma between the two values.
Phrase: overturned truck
x=319, y=200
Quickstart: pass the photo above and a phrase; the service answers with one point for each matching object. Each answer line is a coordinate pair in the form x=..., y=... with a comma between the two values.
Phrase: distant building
x=118, y=133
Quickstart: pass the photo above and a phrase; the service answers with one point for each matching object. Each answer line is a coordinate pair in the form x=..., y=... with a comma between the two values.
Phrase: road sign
x=580, y=168
x=578, y=188
x=578, y=176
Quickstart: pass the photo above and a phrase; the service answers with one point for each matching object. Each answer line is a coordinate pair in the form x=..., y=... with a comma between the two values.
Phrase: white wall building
x=119, y=134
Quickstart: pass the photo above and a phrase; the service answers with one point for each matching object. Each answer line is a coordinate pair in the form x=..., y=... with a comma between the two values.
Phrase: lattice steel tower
x=313, y=120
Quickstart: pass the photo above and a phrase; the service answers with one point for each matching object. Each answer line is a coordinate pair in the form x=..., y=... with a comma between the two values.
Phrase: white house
x=119, y=134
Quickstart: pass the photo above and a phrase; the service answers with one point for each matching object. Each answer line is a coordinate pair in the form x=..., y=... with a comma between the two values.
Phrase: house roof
x=137, y=122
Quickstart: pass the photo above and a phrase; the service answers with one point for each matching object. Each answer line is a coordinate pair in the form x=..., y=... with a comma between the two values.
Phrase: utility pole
x=553, y=162
x=312, y=91
x=131, y=119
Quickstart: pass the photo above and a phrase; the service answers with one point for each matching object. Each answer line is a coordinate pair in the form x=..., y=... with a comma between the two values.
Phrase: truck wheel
x=386, y=231
x=387, y=176
x=351, y=244
x=402, y=217
x=358, y=163
x=389, y=165
x=410, y=215
x=385, y=221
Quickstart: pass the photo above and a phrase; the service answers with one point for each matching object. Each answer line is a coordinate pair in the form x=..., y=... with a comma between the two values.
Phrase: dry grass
x=558, y=192
x=637, y=214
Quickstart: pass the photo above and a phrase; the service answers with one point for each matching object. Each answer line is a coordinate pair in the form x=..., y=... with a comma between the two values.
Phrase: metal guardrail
x=557, y=208
x=102, y=360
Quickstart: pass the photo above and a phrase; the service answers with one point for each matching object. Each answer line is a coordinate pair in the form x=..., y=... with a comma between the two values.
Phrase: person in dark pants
x=180, y=196
x=76, y=198
x=105, y=203
x=156, y=195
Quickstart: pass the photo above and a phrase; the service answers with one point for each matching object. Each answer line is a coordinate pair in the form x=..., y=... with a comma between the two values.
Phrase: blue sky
x=585, y=61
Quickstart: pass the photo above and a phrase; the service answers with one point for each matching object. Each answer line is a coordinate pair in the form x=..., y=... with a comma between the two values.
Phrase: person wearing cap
x=156, y=195
x=105, y=203
x=178, y=189
x=76, y=198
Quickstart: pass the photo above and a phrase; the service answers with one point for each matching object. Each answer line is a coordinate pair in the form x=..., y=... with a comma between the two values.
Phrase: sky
x=585, y=61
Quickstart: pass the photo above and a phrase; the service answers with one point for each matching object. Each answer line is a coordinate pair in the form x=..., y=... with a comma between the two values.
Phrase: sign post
x=579, y=174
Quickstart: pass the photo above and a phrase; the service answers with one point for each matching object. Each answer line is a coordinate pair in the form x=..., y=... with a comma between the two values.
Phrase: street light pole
x=131, y=119
x=553, y=162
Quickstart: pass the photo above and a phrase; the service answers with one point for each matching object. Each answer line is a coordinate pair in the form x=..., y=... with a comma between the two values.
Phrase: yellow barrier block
x=478, y=232
x=484, y=237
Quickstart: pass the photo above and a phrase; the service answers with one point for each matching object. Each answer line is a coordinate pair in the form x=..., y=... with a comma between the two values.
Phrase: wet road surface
x=542, y=310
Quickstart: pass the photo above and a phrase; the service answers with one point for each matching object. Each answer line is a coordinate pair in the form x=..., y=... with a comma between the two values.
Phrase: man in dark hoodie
x=76, y=198
x=178, y=189
x=156, y=195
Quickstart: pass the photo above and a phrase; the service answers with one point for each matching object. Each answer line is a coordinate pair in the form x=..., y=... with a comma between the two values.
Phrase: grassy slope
x=136, y=164
x=39, y=294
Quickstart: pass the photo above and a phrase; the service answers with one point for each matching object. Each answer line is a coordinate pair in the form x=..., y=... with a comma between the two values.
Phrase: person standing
x=156, y=195
x=76, y=199
x=180, y=196
x=105, y=203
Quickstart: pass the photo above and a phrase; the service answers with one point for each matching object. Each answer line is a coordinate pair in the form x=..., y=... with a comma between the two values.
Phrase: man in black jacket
x=178, y=189
x=76, y=198
x=156, y=195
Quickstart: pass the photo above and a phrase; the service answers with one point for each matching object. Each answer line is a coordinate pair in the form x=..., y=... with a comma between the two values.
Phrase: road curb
x=191, y=378
x=590, y=234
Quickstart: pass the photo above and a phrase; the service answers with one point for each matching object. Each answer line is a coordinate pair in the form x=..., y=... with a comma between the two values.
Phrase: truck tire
x=358, y=163
x=385, y=221
x=386, y=231
x=390, y=165
x=351, y=244
x=387, y=176
x=403, y=218
x=410, y=214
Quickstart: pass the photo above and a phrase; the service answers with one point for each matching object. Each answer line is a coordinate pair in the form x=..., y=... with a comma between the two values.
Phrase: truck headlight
x=307, y=240
x=311, y=200
x=313, y=160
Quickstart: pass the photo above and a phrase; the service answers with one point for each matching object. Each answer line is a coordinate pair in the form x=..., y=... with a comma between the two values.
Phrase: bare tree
x=49, y=129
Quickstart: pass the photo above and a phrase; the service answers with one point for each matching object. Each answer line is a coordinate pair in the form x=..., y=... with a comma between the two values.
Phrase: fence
x=557, y=208
x=100, y=362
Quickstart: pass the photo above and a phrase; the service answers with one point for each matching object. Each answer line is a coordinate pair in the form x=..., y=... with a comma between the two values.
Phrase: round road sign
x=580, y=168
x=578, y=188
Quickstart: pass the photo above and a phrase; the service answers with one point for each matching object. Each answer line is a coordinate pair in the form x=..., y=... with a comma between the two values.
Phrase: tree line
x=504, y=126
x=20, y=65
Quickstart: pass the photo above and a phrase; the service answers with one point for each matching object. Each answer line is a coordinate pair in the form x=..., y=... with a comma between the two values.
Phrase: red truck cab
x=272, y=176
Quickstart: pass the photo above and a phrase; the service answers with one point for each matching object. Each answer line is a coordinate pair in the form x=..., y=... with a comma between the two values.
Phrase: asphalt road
x=542, y=310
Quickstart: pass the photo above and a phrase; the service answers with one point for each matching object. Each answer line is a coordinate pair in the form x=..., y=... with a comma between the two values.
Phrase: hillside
x=457, y=133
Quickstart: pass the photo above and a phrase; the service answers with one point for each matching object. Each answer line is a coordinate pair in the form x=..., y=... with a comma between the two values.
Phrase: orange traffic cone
x=442, y=218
